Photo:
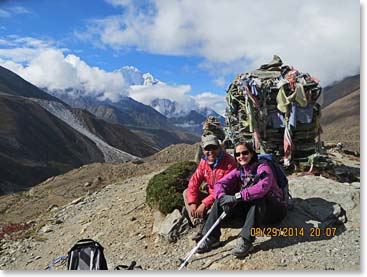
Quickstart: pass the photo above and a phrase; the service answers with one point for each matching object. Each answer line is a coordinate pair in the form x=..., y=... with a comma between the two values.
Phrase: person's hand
x=200, y=211
x=193, y=208
x=227, y=202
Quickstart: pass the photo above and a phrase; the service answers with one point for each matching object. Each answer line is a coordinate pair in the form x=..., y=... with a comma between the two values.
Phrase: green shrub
x=164, y=190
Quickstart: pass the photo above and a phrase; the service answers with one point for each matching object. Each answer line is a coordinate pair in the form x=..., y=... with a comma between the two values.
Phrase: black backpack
x=279, y=175
x=86, y=254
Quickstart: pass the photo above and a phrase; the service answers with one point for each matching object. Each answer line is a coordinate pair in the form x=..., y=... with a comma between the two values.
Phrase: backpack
x=279, y=174
x=86, y=254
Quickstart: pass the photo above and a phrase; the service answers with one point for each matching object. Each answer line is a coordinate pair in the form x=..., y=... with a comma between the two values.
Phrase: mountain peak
x=133, y=76
x=149, y=80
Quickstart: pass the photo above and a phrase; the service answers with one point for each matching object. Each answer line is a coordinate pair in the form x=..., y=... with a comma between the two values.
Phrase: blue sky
x=194, y=47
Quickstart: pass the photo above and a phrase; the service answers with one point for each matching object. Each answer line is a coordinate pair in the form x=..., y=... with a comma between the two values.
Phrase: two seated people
x=225, y=176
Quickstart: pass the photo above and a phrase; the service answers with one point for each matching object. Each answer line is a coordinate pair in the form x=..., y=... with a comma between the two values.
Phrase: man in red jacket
x=213, y=166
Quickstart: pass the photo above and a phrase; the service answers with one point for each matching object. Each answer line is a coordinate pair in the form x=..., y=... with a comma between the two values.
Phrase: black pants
x=255, y=213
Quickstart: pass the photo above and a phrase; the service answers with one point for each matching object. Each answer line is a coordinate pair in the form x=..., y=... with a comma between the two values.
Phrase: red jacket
x=211, y=176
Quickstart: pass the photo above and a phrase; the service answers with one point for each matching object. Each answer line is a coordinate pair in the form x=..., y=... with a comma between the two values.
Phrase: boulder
x=169, y=222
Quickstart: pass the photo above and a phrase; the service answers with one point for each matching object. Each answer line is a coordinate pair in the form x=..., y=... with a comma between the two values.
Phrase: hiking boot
x=208, y=244
x=242, y=248
x=198, y=236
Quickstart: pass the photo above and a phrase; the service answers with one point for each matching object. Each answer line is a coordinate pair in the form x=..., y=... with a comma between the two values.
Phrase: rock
x=97, y=180
x=76, y=201
x=137, y=161
x=46, y=229
x=87, y=184
x=58, y=221
x=169, y=222
x=31, y=222
x=32, y=192
x=141, y=236
x=158, y=219
x=52, y=207
x=356, y=185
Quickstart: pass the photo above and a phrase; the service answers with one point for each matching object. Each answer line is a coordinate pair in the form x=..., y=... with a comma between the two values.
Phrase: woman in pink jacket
x=257, y=204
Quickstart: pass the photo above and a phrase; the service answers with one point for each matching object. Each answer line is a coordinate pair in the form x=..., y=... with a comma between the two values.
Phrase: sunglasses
x=211, y=148
x=244, y=153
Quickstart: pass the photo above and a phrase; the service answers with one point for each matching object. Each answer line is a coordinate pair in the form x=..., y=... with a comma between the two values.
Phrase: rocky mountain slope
x=115, y=214
x=340, y=118
x=340, y=89
x=126, y=111
x=38, y=144
x=142, y=119
x=41, y=136
x=12, y=84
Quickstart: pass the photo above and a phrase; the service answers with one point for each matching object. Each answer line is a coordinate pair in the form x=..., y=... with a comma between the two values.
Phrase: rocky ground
x=116, y=216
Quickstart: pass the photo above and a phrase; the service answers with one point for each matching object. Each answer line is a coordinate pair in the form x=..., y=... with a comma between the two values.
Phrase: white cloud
x=95, y=80
x=220, y=81
x=122, y=3
x=319, y=37
x=5, y=42
x=13, y=10
x=4, y=13
x=19, y=10
x=48, y=67
x=211, y=100
x=23, y=49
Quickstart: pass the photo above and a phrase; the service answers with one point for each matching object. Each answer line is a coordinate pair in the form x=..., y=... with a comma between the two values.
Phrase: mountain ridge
x=340, y=117
x=40, y=136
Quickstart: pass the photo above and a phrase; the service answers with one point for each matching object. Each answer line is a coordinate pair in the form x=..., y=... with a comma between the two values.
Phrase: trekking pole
x=193, y=251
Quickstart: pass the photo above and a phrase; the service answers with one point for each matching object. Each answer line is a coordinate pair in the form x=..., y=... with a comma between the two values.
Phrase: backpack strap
x=132, y=266
x=63, y=259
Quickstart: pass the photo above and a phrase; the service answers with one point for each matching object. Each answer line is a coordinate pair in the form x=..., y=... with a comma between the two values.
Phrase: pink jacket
x=211, y=176
x=232, y=183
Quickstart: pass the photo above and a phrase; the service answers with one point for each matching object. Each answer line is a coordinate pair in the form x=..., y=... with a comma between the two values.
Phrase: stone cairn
x=276, y=107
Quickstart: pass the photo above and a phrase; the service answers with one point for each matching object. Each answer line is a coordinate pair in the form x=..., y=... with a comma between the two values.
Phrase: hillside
x=116, y=135
x=41, y=136
x=340, y=118
x=37, y=144
x=340, y=89
x=59, y=190
x=116, y=215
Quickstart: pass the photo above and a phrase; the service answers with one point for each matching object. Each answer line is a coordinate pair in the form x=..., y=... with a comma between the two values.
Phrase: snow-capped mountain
x=190, y=121
x=168, y=107
x=183, y=113
x=193, y=121
x=164, y=106
x=134, y=76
